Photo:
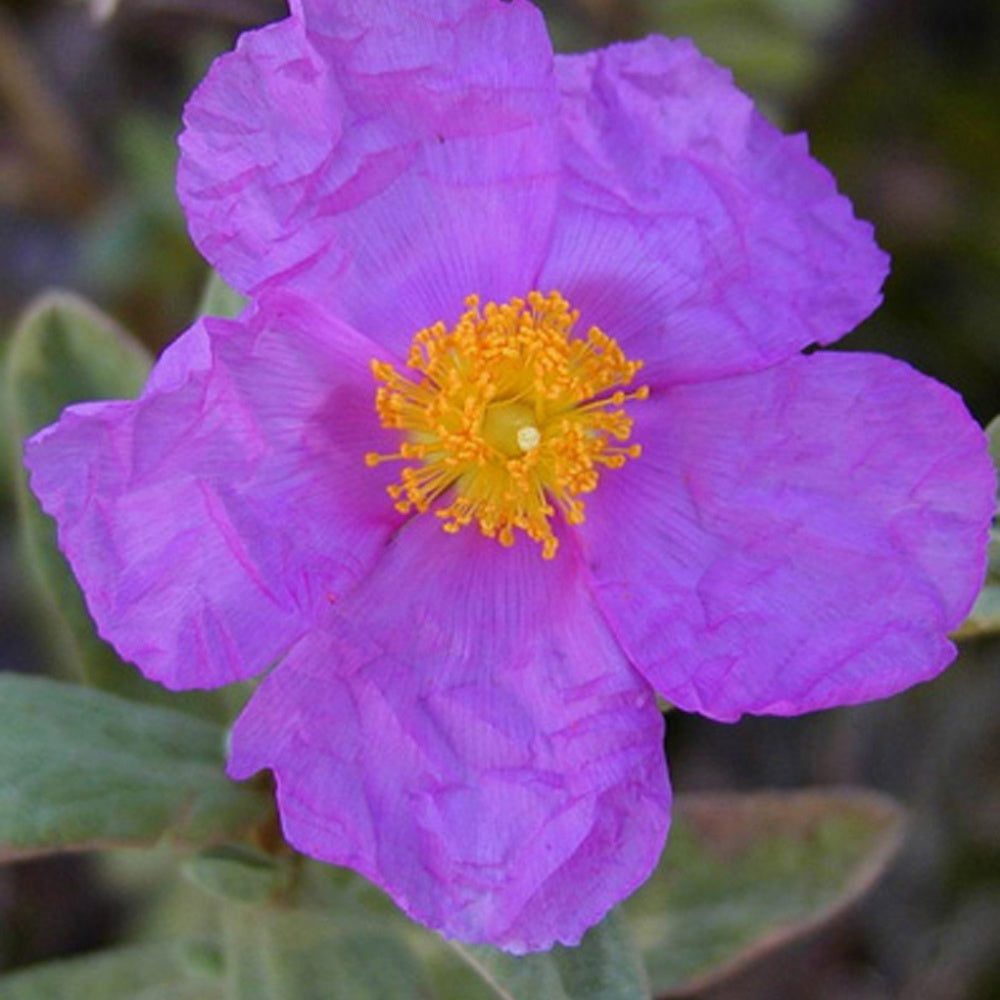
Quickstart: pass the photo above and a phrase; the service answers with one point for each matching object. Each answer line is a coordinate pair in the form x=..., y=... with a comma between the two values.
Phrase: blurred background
x=900, y=98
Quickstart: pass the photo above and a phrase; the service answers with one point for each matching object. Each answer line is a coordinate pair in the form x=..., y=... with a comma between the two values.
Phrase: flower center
x=508, y=414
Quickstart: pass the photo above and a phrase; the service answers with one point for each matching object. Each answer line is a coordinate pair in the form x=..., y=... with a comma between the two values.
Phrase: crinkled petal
x=388, y=159
x=465, y=732
x=691, y=230
x=212, y=519
x=794, y=539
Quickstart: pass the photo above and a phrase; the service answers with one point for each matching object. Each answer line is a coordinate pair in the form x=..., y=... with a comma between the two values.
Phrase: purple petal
x=690, y=229
x=794, y=539
x=389, y=160
x=211, y=520
x=466, y=733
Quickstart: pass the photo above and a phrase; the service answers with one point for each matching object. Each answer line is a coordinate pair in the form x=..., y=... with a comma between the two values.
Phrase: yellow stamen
x=508, y=414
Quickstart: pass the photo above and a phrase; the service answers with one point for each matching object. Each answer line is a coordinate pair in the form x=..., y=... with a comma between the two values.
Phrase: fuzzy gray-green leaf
x=743, y=874
x=81, y=769
x=605, y=966
x=220, y=299
x=168, y=971
x=278, y=954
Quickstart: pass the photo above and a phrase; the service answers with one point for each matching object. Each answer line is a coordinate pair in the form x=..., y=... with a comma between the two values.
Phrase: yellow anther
x=509, y=417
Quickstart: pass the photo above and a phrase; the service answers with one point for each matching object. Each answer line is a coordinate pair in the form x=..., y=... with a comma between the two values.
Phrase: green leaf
x=64, y=351
x=169, y=971
x=743, y=874
x=219, y=299
x=993, y=438
x=347, y=939
x=605, y=966
x=321, y=933
x=239, y=873
x=984, y=618
x=278, y=954
x=83, y=769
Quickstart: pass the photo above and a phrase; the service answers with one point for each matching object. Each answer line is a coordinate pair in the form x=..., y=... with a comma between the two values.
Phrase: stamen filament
x=512, y=418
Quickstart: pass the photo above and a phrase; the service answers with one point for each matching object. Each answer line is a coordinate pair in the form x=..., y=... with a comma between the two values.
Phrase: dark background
x=901, y=99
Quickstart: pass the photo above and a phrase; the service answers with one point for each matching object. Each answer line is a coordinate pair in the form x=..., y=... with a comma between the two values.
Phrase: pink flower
x=641, y=483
